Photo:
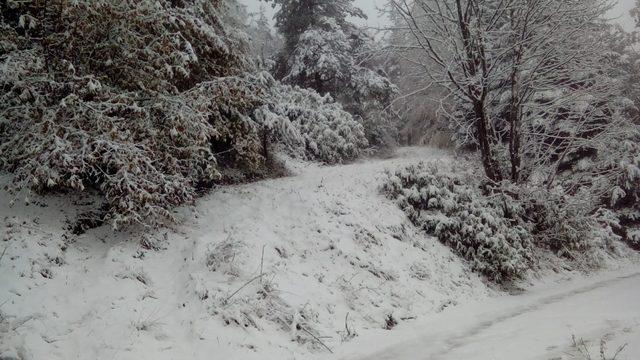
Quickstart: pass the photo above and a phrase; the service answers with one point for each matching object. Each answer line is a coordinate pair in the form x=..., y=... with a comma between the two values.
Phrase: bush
x=144, y=156
x=499, y=228
x=165, y=46
x=312, y=126
x=487, y=231
x=144, y=102
x=611, y=180
x=624, y=198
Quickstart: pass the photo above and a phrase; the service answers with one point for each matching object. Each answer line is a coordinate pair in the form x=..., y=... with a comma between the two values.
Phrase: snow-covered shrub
x=135, y=100
x=610, y=179
x=145, y=102
x=484, y=230
x=135, y=45
x=504, y=229
x=144, y=155
x=624, y=198
x=312, y=126
x=563, y=224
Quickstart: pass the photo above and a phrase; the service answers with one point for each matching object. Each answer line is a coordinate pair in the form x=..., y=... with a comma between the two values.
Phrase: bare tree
x=529, y=75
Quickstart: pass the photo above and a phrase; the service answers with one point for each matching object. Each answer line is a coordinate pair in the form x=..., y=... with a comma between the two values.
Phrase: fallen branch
x=3, y=251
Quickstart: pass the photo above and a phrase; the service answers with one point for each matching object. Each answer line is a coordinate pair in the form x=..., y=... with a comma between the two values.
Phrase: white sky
x=621, y=12
x=368, y=6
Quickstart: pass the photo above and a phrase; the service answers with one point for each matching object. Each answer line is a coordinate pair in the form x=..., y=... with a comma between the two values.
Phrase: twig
x=3, y=251
x=262, y=263
x=317, y=339
x=346, y=324
x=226, y=301
x=620, y=349
x=20, y=322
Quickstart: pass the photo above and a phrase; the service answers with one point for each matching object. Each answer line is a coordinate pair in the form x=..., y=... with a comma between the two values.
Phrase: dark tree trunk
x=514, y=126
x=490, y=165
x=265, y=145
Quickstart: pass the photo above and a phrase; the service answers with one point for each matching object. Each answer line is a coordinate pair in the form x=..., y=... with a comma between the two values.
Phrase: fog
x=619, y=14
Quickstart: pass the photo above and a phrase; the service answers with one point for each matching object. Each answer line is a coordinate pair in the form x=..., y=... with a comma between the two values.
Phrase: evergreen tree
x=323, y=50
x=265, y=44
x=295, y=17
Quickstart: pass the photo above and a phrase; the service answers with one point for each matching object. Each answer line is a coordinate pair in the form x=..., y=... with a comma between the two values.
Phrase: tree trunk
x=514, y=124
x=265, y=145
x=490, y=165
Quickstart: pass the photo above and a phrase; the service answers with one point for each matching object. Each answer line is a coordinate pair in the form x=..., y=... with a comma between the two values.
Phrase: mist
x=620, y=13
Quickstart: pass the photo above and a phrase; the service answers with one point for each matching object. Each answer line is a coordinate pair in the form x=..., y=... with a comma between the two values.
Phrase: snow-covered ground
x=289, y=268
x=540, y=324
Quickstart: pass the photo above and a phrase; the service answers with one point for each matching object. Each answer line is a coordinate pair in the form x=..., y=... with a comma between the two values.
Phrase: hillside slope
x=279, y=269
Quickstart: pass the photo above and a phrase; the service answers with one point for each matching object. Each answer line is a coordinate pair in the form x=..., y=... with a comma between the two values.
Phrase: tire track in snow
x=461, y=340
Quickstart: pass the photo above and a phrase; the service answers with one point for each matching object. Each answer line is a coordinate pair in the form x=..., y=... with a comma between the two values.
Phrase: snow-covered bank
x=336, y=259
x=282, y=269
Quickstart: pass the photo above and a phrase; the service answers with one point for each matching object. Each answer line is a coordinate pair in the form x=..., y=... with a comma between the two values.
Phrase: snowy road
x=537, y=325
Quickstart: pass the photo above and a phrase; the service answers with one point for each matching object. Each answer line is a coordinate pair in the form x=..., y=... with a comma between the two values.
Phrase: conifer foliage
x=323, y=50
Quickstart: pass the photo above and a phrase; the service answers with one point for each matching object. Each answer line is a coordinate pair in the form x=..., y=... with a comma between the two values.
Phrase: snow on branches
x=528, y=78
x=485, y=231
x=502, y=231
x=324, y=51
x=312, y=126
x=144, y=102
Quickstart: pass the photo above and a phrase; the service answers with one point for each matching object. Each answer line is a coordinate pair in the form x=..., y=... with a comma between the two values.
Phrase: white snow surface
x=540, y=324
x=283, y=269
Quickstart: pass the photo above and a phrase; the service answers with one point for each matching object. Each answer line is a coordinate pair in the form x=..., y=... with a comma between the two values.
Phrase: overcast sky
x=621, y=12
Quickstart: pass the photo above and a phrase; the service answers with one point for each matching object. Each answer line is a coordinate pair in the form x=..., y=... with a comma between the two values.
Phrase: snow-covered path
x=536, y=325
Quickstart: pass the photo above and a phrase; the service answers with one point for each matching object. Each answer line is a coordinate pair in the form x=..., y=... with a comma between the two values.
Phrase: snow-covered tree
x=417, y=105
x=544, y=90
x=323, y=50
x=264, y=43
x=527, y=78
x=295, y=17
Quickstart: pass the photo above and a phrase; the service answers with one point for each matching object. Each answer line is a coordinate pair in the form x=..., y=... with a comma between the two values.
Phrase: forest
x=507, y=130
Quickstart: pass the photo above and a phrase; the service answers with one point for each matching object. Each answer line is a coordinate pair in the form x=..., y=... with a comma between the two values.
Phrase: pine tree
x=295, y=17
x=323, y=50
x=265, y=44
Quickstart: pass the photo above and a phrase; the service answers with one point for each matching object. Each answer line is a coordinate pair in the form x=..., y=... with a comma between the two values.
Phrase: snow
x=334, y=249
x=539, y=324
x=279, y=269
